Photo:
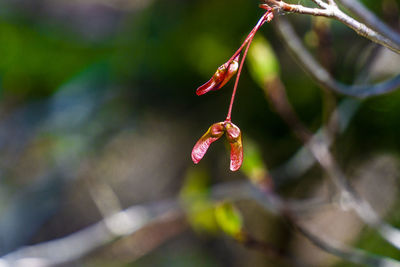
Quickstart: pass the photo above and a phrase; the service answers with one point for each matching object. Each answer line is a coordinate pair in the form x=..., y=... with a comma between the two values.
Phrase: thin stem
x=228, y=117
x=260, y=22
x=248, y=40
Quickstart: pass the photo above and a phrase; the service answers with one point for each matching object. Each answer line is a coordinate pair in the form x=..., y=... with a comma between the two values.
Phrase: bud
x=223, y=74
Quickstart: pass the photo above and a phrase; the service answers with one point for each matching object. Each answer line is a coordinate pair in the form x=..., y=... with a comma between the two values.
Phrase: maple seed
x=234, y=137
x=223, y=74
x=213, y=133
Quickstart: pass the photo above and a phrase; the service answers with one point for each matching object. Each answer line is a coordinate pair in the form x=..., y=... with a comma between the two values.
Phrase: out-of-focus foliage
x=253, y=164
x=264, y=65
x=35, y=62
x=195, y=197
x=229, y=219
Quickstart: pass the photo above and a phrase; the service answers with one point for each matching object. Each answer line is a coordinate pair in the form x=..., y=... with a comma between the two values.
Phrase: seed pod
x=223, y=74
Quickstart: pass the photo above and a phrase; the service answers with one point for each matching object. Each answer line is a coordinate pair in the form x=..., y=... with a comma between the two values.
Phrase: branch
x=319, y=148
x=332, y=2
x=320, y=3
x=371, y=20
x=332, y=11
x=321, y=75
x=303, y=159
x=81, y=243
x=135, y=218
x=352, y=255
x=122, y=224
x=358, y=204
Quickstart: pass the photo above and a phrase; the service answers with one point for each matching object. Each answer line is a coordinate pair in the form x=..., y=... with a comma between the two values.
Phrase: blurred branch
x=352, y=255
x=320, y=151
x=349, y=195
x=131, y=221
x=332, y=11
x=253, y=243
x=277, y=94
x=321, y=75
x=370, y=19
x=136, y=218
x=303, y=159
x=117, y=225
x=81, y=243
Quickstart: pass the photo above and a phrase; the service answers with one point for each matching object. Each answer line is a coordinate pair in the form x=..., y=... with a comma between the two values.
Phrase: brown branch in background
x=270, y=250
x=326, y=55
x=333, y=11
x=320, y=74
x=276, y=93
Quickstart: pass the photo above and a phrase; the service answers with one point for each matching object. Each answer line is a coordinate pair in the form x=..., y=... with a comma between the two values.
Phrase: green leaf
x=263, y=63
x=253, y=165
x=195, y=199
x=229, y=219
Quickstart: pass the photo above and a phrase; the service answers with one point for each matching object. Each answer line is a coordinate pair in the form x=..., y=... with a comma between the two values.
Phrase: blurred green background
x=98, y=111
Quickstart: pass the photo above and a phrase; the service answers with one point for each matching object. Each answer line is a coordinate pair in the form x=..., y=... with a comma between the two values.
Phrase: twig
x=320, y=75
x=371, y=20
x=300, y=9
x=332, y=2
x=333, y=11
x=320, y=3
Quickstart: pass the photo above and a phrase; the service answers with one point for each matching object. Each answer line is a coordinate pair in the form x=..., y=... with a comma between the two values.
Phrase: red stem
x=228, y=117
x=251, y=35
x=248, y=41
